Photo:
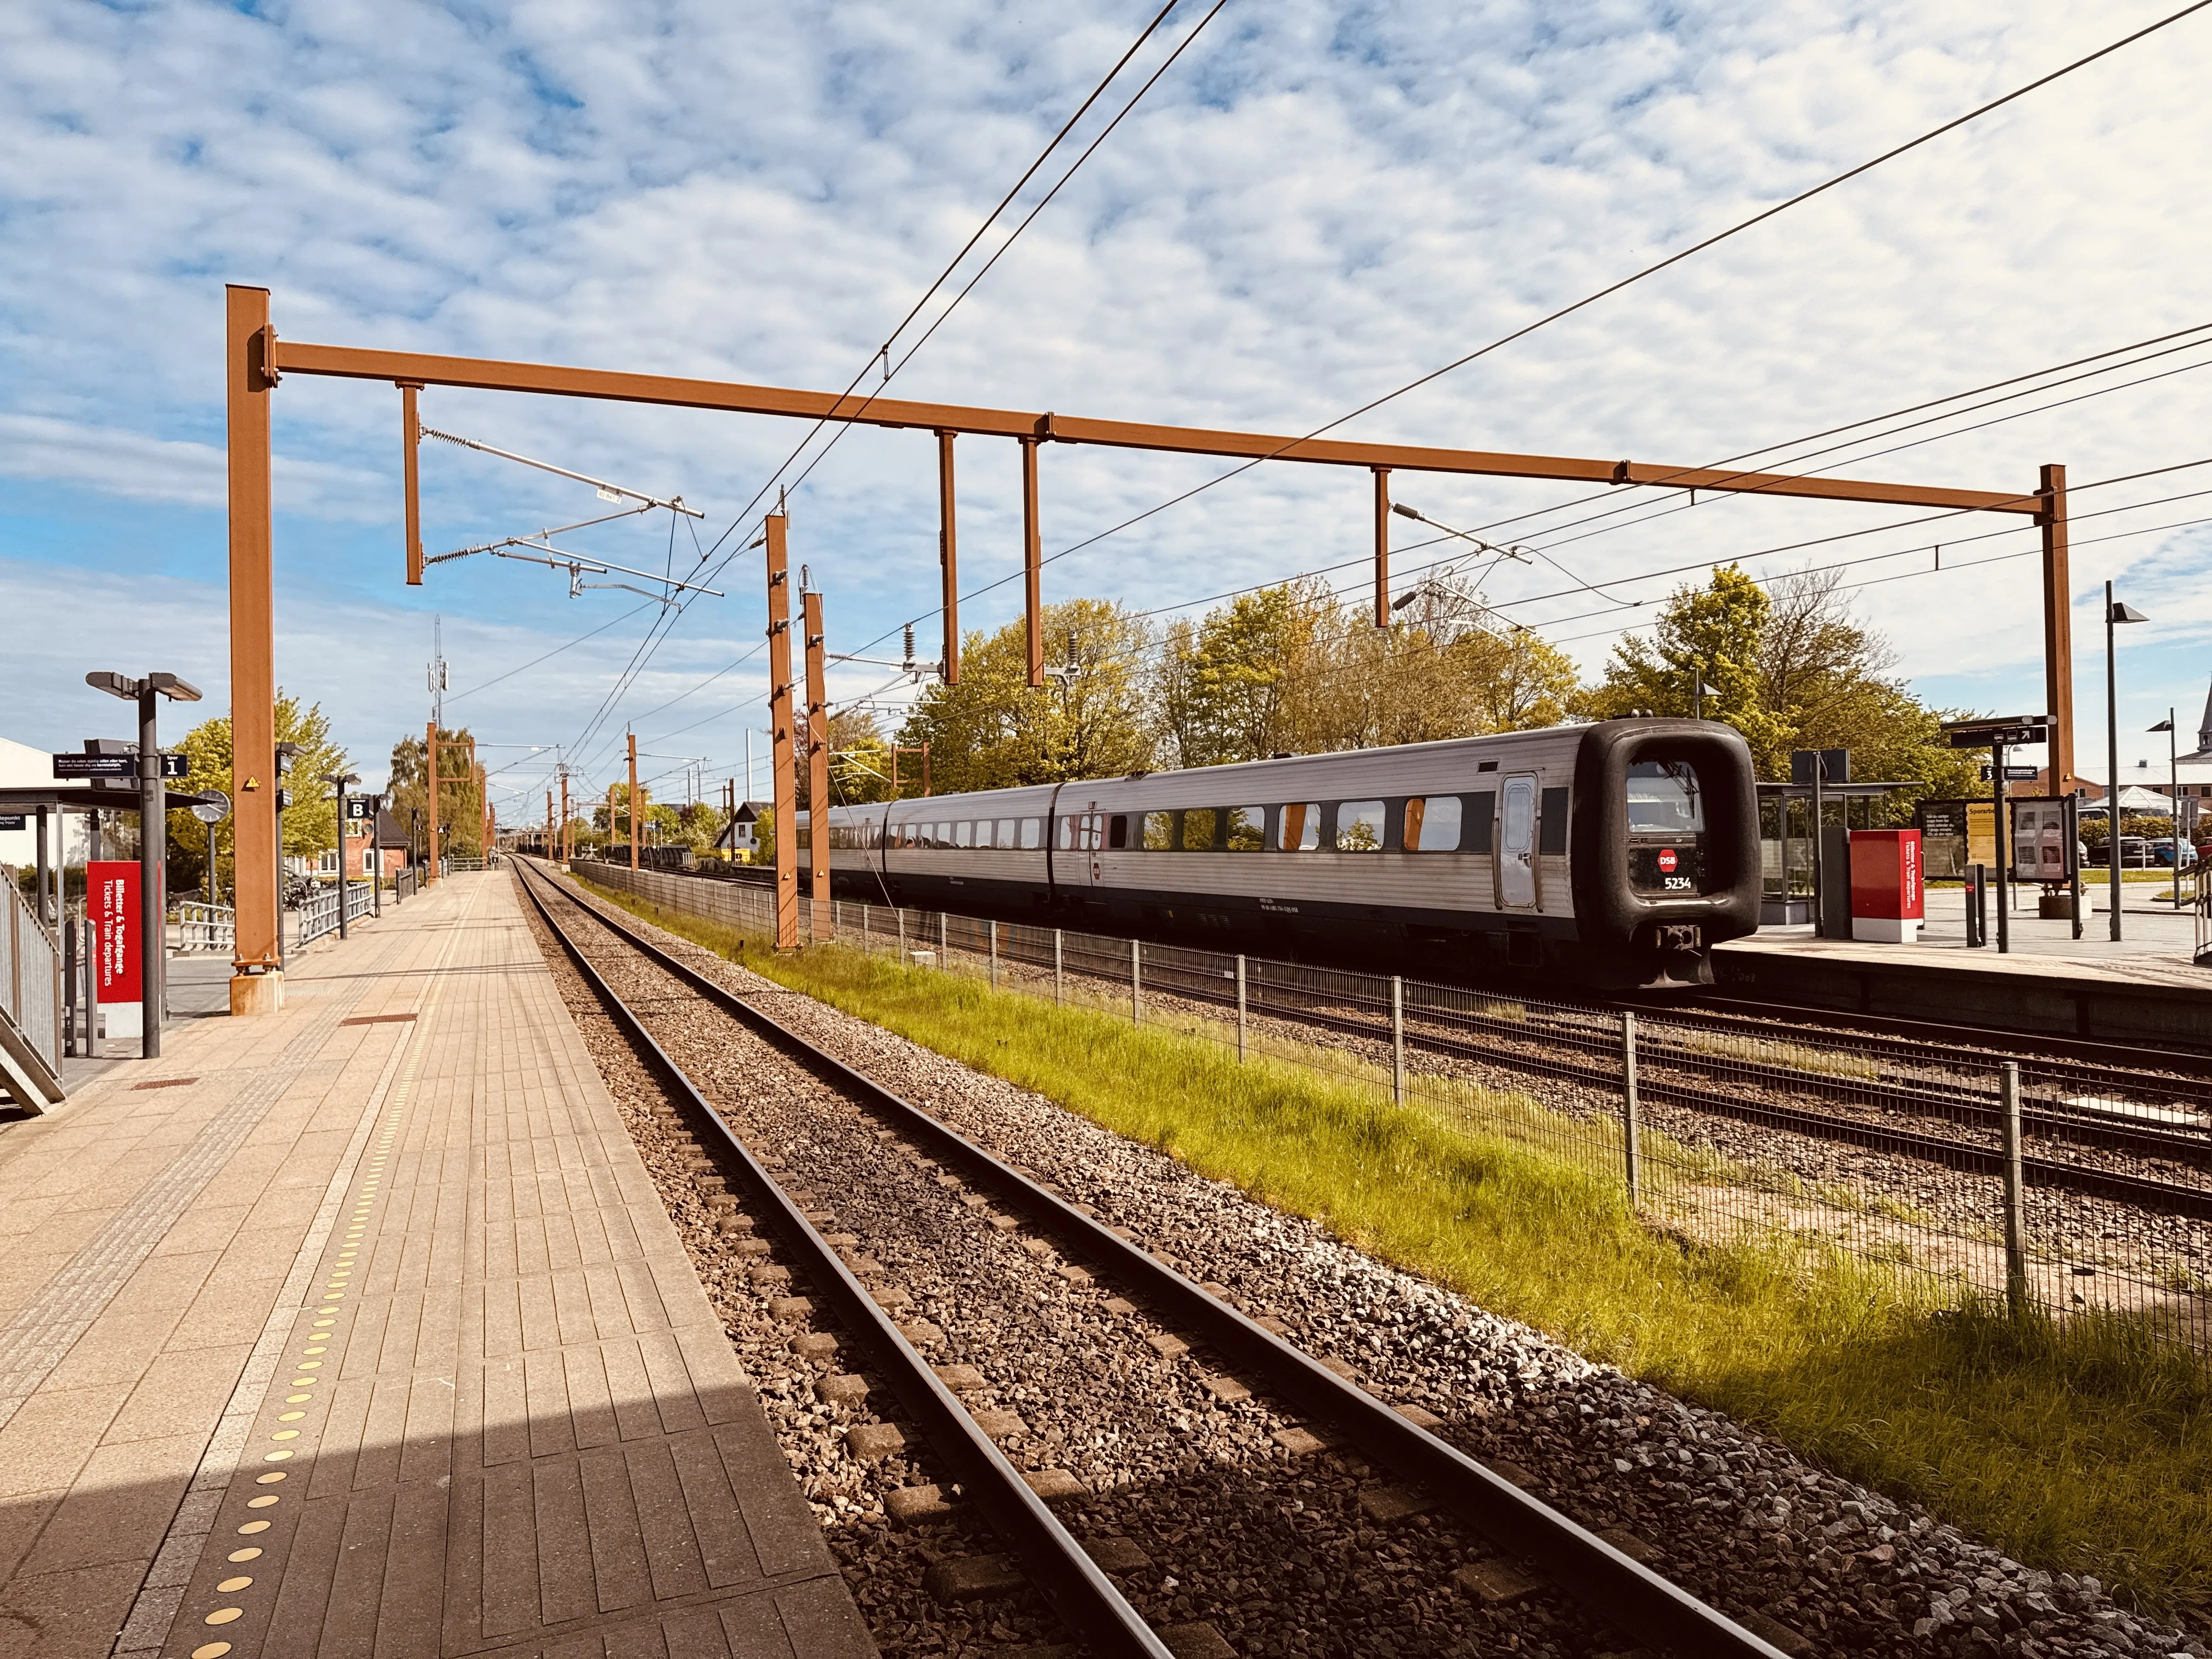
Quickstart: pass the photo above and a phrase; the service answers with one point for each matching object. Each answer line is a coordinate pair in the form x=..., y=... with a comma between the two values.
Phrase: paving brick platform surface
x=374, y=1338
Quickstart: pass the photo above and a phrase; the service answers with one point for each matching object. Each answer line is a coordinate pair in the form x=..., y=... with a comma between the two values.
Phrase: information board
x=1955, y=835
x=112, y=889
x=2042, y=850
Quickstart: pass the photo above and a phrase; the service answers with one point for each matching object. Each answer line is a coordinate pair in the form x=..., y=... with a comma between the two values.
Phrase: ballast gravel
x=1264, y=1549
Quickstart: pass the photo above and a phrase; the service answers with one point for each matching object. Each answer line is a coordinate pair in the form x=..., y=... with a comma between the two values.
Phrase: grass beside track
x=2084, y=1448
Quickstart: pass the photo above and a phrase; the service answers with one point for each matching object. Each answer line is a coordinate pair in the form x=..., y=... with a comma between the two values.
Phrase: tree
x=993, y=730
x=460, y=804
x=1228, y=685
x=1790, y=669
x=1716, y=631
x=310, y=823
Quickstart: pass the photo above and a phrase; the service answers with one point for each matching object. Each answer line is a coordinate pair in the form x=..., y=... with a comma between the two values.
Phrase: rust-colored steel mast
x=633, y=800
x=1032, y=561
x=567, y=834
x=1381, y=547
x=411, y=447
x=2058, y=630
x=948, y=555
x=818, y=771
x=257, y=984
x=784, y=786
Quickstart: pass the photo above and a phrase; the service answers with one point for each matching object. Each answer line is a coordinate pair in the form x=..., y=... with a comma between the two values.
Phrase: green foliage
x=993, y=730
x=311, y=822
x=460, y=804
x=2085, y=1447
x=1291, y=669
x=1790, y=670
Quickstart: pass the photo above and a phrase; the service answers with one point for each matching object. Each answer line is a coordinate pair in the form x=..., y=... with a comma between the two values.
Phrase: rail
x=2060, y=1190
x=202, y=927
x=320, y=915
x=1613, y=1586
x=30, y=1003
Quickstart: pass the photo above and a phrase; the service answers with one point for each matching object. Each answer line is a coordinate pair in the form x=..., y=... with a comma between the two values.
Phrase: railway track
x=1609, y=1586
x=1744, y=1090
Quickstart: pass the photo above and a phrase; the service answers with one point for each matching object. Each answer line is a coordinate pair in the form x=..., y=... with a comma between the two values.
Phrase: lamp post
x=338, y=781
x=152, y=838
x=2115, y=614
x=2172, y=802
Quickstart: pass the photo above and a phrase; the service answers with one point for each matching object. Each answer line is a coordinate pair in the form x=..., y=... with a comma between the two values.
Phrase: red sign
x=1667, y=860
x=113, y=892
x=1886, y=875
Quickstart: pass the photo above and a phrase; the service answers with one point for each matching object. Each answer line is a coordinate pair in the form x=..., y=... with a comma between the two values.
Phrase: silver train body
x=1613, y=855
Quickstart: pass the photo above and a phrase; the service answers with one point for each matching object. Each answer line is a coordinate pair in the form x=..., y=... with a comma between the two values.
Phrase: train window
x=1663, y=798
x=1119, y=837
x=1032, y=833
x=1359, y=826
x=1246, y=831
x=1089, y=831
x=1160, y=832
x=963, y=834
x=1198, y=826
x=1553, y=837
x=1299, y=831
x=1005, y=833
x=1482, y=819
x=1063, y=834
x=1432, y=824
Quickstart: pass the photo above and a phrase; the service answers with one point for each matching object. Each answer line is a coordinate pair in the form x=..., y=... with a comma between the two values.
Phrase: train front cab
x=1666, y=850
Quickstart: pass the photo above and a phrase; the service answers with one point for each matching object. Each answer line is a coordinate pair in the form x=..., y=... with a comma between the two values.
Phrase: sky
x=1311, y=206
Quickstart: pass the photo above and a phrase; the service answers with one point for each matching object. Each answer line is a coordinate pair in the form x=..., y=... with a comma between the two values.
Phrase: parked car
x=2135, y=854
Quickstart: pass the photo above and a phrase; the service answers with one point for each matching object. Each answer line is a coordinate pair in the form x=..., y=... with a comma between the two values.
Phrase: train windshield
x=1664, y=800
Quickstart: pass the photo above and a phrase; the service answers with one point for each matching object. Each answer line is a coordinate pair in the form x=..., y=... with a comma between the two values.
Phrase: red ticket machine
x=1887, y=903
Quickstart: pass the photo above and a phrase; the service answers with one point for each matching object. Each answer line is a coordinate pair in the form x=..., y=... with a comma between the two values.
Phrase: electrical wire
x=744, y=517
x=1649, y=270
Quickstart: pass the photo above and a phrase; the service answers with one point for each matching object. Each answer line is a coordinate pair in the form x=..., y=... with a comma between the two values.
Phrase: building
x=741, y=838
x=384, y=851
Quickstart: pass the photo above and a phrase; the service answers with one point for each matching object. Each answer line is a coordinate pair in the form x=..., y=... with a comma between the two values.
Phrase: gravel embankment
x=1279, y=1553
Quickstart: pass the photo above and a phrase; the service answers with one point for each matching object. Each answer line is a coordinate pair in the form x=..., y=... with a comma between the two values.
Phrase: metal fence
x=202, y=927
x=320, y=915
x=2044, y=1183
x=30, y=1002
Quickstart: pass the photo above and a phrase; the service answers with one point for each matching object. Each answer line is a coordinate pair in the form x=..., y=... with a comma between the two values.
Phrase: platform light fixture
x=152, y=823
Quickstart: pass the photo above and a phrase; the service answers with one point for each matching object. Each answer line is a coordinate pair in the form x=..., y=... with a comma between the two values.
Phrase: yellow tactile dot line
x=319, y=1333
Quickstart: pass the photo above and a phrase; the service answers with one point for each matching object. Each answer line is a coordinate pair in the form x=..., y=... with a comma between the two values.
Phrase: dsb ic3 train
x=1611, y=855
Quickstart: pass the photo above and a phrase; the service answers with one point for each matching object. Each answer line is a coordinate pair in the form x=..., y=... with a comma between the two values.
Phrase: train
x=1613, y=855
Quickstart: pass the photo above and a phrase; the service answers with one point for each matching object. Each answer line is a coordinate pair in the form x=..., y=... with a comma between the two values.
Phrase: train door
x=1516, y=844
x=1090, y=836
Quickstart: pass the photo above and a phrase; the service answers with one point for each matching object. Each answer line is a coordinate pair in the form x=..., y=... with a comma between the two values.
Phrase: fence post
x=944, y=942
x=1397, y=1040
x=2015, y=1199
x=1629, y=1122
x=904, y=962
x=994, y=956
x=1058, y=977
x=1241, y=1021
x=1136, y=983
x=864, y=928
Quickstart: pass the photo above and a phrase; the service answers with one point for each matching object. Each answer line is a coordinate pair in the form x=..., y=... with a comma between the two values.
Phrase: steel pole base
x=255, y=994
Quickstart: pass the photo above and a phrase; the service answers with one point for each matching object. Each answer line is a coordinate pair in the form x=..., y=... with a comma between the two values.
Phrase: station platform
x=360, y=1328
x=2144, y=988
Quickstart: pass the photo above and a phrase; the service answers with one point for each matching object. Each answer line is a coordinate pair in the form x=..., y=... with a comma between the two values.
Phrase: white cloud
x=1317, y=204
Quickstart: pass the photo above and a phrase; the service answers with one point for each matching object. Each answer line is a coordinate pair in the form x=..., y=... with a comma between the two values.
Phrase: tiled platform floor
x=360, y=1329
